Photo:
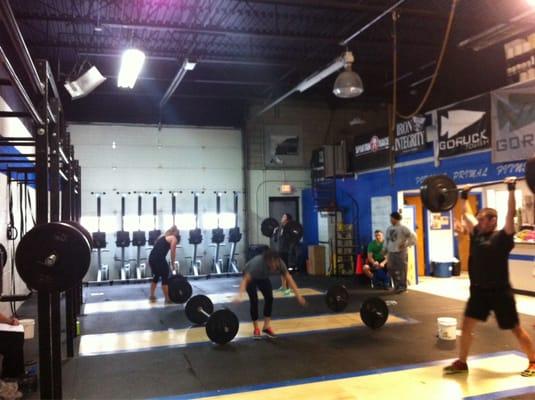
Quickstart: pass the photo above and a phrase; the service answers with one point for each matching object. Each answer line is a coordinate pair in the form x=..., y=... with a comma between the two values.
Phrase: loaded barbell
x=54, y=256
x=221, y=326
x=373, y=311
x=440, y=193
x=292, y=231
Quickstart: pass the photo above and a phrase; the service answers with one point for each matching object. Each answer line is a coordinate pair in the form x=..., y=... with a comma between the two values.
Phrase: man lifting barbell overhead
x=158, y=262
x=490, y=289
x=256, y=277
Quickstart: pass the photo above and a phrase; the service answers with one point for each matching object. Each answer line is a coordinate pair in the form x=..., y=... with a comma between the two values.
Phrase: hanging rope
x=437, y=68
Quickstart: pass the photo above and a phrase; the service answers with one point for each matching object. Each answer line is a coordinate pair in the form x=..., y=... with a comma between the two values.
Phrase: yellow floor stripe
x=487, y=375
x=143, y=340
x=135, y=305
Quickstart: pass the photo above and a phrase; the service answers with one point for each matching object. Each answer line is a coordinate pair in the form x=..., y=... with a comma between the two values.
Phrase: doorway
x=463, y=239
x=284, y=205
x=416, y=201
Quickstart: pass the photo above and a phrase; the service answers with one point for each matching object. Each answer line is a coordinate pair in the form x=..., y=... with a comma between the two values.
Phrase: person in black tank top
x=158, y=261
x=488, y=269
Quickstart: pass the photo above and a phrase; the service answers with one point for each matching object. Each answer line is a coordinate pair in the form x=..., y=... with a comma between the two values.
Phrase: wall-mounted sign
x=370, y=151
x=410, y=135
x=464, y=127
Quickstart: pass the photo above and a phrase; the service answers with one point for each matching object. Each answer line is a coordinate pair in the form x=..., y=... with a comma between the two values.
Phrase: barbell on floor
x=373, y=311
x=221, y=326
x=440, y=193
x=179, y=289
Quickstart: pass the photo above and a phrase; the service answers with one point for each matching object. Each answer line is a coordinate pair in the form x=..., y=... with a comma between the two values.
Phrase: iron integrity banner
x=410, y=135
x=464, y=127
x=513, y=123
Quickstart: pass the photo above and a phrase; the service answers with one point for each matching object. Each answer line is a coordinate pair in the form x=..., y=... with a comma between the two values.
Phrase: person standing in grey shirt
x=397, y=239
x=256, y=277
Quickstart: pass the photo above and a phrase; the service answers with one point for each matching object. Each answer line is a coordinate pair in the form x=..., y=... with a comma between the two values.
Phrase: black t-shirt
x=488, y=264
x=160, y=249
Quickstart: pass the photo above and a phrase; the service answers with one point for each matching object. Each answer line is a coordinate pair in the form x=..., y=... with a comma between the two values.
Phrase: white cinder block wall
x=11, y=127
x=146, y=159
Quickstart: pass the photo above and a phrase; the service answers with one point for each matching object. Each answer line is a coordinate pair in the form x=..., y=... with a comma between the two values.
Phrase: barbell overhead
x=179, y=289
x=221, y=326
x=53, y=257
x=292, y=232
x=439, y=193
x=374, y=312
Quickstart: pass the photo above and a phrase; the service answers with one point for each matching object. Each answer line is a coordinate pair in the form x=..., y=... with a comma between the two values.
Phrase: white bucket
x=29, y=327
x=447, y=328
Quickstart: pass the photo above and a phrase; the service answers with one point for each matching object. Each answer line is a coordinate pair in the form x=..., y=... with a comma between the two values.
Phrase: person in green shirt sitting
x=375, y=267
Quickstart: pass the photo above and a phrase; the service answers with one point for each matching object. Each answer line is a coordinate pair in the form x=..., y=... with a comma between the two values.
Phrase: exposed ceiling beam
x=357, y=7
x=185, y=28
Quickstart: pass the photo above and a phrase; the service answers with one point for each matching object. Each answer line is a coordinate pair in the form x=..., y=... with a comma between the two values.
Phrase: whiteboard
x=381, y=207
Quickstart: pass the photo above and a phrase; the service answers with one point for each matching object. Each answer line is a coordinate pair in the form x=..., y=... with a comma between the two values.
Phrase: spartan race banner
x=513, y=123
x=370, y=151
x=410, y=135
x=464, y=127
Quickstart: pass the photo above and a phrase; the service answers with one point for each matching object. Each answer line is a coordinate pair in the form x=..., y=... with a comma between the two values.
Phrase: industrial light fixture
x=85, y=83
x=348, y=84
x=186, y=66
x=132, y=62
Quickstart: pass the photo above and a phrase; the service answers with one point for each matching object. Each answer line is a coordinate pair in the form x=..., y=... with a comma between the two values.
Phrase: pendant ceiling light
x=348, y=84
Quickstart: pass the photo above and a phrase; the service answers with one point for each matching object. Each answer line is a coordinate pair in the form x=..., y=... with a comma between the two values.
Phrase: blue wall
x=310, y=218
x=467, y=169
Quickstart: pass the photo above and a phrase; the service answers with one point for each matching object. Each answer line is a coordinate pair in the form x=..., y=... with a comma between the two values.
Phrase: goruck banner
x=410, y=135
x=513, y=124
x=370, y=151
x=464, y=127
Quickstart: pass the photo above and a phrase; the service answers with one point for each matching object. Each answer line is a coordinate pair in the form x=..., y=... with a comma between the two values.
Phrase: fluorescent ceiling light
x=186, y=66
x=321, y=75
x=132, y=62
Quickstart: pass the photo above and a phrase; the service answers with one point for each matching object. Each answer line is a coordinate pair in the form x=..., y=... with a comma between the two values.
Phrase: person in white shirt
x=397, y=239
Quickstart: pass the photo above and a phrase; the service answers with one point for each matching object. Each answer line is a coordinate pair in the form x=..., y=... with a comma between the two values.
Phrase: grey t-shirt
x=397, y=235
x=258, y=269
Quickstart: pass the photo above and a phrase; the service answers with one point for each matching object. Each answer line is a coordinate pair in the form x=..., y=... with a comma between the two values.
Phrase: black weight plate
x=337, y=298
x=374, y=312
x=53, y=257
x=153, y=236
x=179, y=289
x=192, y=309
x=268, y=226
x=222, y=326
x=3, y=257
x=439, y=193
x=293, y=232
x=530, y=173
x=84, y=231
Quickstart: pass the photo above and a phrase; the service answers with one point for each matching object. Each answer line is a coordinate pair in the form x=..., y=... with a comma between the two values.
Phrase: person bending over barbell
x=256, y=277
x=488, y=270
x=158, y=262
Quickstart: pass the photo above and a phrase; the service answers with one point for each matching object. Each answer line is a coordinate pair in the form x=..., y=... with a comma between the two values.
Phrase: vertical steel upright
x=46, y=371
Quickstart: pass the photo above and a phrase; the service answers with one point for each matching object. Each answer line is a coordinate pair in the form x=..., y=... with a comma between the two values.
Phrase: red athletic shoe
x=269, y=333
x=256, y=334
x=457, y=367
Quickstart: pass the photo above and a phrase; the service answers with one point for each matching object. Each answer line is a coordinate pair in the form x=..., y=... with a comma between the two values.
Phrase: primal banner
x=513, y=124
x=410, y=135
x=464, y=127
